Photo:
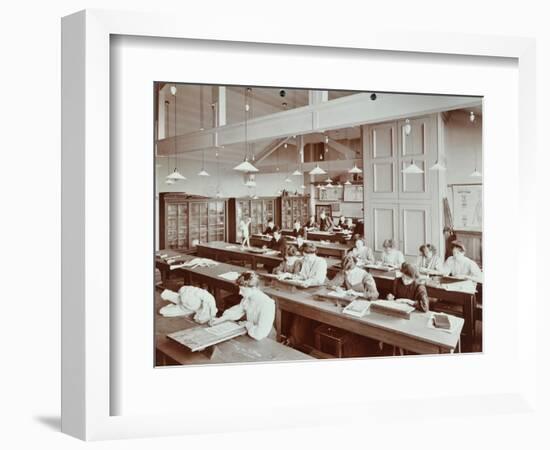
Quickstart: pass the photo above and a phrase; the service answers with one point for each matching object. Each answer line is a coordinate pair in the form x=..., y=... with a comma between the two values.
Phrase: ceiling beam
x=270, y=149
x=352, y=110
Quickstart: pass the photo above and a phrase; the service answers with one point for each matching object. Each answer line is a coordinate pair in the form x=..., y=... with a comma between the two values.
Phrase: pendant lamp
x=412, y=169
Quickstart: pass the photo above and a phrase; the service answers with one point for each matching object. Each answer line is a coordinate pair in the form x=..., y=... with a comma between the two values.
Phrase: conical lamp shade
x=347, y=182
x=203, y=173
x=317, y=171
x=303, y=186
x=245, y=166
x=288, y=180
x=476, y=173
x=438, y=166
x=328, y=180
x=412, y=169
x=355, y=169
x=329, y=185
x=297, y=173
x=175, y=175
x=170, y=181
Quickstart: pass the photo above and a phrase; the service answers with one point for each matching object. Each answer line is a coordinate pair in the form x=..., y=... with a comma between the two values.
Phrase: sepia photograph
x=296, y=224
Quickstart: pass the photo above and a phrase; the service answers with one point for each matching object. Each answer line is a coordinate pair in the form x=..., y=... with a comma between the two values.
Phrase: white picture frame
x=88, y=258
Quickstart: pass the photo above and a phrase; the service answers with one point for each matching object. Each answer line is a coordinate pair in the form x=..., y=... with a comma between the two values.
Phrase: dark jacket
x=414, y=291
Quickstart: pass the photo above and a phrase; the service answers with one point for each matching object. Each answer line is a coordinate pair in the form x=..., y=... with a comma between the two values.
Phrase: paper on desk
x=224, y=328
x=467, y=286
x=200, y=262
x=230, y=276
x=232, y=247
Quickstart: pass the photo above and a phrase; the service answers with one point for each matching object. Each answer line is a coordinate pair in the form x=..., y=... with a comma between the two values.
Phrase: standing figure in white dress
x=257, y=308
x=244, y=228
x=391, y=256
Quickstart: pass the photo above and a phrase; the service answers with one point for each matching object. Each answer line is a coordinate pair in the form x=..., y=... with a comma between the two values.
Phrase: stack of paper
x=230, y=276
x=392, y=308
x=357, y=308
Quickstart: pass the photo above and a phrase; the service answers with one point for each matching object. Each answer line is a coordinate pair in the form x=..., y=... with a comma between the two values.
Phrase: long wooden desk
x=222, y=251
x=413, y=334
x=237, y=350
x=330, y=249
x=332, y=236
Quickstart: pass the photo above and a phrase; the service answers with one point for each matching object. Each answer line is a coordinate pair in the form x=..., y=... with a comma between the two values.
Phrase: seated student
x=314, y=268
x=311, y=224
x=325, y=222
x=278, y=241
x=391, y=256
x=189, y=299
x=298, y=230
x=409, y=290
x=270, y=227
x=459, y=265
x=258, y=308
x=342, y=221
x=361, y=252
x=346, y=224
x=428, y=259
x=353, y=277
x=291, y=262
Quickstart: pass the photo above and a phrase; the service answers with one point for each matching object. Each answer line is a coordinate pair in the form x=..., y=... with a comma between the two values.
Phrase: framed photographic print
x=166, y=156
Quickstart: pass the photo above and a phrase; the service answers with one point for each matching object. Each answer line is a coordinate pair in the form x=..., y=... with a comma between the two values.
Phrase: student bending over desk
x=311, y=224
x=257, y=306
x=270, y=227
x=298, y=230
x=187, y=300
x=408, y=289
x=353, y=277
x=314, y=268
x=291, y=263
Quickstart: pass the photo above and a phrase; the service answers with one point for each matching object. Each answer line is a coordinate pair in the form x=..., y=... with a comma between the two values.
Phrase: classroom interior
x=257, y=179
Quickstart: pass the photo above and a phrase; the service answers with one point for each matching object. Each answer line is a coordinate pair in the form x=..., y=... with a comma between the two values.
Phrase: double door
x=405, y=207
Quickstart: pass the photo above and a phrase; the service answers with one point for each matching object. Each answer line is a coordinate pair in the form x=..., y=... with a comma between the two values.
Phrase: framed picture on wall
x=467, y=206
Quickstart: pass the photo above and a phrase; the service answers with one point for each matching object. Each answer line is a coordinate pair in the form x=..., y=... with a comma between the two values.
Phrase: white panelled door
x=399, y=206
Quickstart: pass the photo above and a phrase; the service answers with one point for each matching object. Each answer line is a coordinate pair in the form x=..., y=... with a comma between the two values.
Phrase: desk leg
x=278, y=322
x=469, y=310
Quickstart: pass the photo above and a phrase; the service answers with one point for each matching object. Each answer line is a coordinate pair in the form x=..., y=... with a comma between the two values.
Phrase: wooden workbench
x=237, y=350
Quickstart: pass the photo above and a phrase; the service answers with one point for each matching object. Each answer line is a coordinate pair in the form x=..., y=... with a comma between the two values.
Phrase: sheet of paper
x=230, y=276
x=224, y=328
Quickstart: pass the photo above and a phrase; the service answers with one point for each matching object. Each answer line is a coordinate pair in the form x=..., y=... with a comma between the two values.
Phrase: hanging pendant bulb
x=355, y=169
x=176, y=176
x=476, y=173
x=297, y=173
x=407, y=127
x=438, y=166
x=203, y=173
x=317, y=171
x=328, y=180
x=245, y=166
x=412, y=169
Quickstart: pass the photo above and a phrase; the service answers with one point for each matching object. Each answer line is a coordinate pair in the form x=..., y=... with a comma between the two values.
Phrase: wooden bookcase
x=185, y=221
x=291, y=208
x=259, y=210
